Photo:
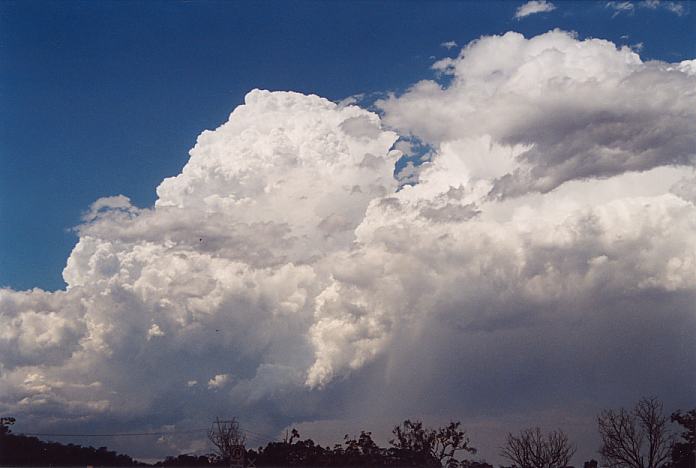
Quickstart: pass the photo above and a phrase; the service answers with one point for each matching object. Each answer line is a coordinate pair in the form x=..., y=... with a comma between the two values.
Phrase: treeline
x=639, y=437
x=413, y=445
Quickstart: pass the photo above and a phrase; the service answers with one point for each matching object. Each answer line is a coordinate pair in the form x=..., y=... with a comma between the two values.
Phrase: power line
x=257, y=436
x=116, y=434
x=252, y=434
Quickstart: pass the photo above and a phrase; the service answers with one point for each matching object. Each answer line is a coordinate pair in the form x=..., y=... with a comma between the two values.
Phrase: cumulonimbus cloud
x=217, y=280
x=285, y=259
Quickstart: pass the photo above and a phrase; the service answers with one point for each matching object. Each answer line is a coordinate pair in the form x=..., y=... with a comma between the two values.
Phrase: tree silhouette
x=5, y=423
x=638, y=438
x=532, y=449
x=684, y=450
x=185, y=460
x=432, y=447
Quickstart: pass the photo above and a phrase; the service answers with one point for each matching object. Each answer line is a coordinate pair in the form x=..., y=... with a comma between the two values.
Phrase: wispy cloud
x=638, y=47
x=621, y=7
x=449, y=45
x=533, y=7
x=676, y=8
x=630, y=7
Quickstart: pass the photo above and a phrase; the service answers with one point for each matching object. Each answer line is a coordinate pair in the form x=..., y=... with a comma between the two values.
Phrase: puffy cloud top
x=580, y=106
x=228, y=261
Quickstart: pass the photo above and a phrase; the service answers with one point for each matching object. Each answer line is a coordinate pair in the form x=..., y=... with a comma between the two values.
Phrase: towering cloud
x=544, y=258
x=216, y=283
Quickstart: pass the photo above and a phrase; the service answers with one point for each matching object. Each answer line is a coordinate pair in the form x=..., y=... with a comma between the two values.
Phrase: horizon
x=256, y=450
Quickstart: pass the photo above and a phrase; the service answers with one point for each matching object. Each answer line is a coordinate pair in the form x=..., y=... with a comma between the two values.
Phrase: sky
x=338, y=215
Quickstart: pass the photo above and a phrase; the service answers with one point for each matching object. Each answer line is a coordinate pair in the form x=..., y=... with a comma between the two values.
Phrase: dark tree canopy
x=436, y=447
x=5, y=423
x=19, y=450
x=414, y=445
x=187, y=460
x=684, y=450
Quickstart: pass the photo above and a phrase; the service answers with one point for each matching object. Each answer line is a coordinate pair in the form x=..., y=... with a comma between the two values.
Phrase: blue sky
x=106, y=98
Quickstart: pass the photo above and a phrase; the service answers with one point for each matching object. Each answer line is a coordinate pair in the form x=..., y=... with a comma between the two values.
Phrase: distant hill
x=20, y=450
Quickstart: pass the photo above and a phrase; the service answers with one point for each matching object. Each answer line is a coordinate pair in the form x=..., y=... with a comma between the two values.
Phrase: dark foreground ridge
x=20, y=450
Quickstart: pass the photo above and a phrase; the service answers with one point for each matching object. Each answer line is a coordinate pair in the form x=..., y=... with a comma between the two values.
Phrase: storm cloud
x=543, y=263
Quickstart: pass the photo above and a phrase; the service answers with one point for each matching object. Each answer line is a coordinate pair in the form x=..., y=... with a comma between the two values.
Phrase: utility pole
x=228, y=439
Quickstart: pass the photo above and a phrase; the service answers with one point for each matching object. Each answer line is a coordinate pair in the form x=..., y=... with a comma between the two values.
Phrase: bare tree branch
x=531, y=449
x=635, y=439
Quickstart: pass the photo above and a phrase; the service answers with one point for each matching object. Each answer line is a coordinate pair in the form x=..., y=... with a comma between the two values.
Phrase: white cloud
x=621, y=7
x=549, y=233
x=449, y=45
x=637, y=47
x=578, y=106
x=218, y=278
x=100, y=206
x=676, y=8
x=630, y=7
x=154, y=331
x=219, y=381
x=533, y=7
